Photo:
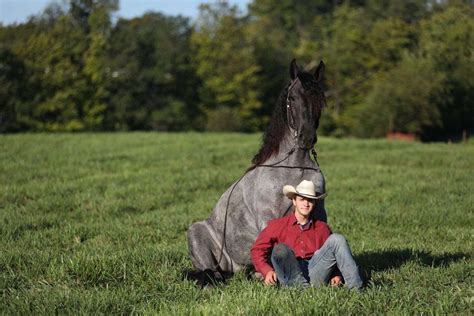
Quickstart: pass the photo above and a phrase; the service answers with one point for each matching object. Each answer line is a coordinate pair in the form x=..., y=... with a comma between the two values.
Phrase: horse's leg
x=205, y=249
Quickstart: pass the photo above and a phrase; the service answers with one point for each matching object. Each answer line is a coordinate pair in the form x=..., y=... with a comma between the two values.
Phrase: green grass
x=96, y=223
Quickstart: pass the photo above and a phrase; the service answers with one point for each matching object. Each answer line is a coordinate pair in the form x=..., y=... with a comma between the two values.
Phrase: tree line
x=391, y=66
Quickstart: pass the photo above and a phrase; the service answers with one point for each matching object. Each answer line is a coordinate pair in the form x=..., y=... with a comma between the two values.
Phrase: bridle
x=289, y=113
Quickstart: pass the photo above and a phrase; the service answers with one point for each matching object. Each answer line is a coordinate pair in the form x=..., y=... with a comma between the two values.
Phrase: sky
x=18, y=11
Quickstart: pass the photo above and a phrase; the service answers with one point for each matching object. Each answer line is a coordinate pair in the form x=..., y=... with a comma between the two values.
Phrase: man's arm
x=260, y=252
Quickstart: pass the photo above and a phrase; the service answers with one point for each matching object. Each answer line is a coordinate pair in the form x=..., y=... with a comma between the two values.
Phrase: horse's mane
x=275, y=131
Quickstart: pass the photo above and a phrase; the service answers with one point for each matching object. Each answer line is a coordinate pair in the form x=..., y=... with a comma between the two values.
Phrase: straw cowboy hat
x=305, y=188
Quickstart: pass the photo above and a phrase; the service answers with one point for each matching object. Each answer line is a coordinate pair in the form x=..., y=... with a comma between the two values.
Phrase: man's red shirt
x=304, y=241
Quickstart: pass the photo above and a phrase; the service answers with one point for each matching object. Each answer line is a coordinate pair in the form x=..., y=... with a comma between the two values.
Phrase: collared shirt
x=304, y=240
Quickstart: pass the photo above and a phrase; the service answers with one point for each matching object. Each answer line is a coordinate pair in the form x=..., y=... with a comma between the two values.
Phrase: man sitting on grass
x=303, y=249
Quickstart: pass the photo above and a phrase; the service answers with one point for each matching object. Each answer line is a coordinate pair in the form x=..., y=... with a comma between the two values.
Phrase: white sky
x=17, y=11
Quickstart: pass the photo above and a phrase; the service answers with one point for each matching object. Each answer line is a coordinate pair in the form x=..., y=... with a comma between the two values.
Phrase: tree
x=408, y=11
x=12, y=86
x=62, y=62
x=53, y=56
x=347, y=56
x=401, y=99
x=447, y=39
x=226, y=65
x=387, y=40
x=95, y=68
x=82, y=10
x=151, y=83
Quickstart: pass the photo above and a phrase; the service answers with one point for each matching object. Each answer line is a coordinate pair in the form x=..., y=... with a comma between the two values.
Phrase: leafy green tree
x=151, y=81
x=401, y=99
x=53, y=57
x=387, y=40
x=448, y=39
x=347, y=55
x=82, y=10
x=95, y=68
x=408, y=11
x=12, y=85
x=62, y=64
x=226, y=64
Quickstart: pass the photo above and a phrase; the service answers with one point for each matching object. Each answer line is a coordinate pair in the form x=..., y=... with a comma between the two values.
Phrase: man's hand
x=336, y=281
x=270, y=278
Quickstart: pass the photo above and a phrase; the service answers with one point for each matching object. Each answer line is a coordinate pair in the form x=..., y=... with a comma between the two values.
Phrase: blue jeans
x=316, y=271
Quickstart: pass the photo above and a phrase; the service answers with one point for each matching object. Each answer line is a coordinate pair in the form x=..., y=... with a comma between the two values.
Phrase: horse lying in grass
x=222, y=242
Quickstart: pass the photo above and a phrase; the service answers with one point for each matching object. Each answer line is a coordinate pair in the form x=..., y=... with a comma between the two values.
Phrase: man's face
x=303, y=205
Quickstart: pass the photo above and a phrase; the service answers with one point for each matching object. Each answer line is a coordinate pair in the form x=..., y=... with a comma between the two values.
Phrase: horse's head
x=304, y=103
x=296, y=114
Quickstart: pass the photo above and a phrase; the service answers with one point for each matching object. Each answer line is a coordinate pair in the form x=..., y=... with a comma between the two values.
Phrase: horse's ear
x=318, y=74
x=293, y=69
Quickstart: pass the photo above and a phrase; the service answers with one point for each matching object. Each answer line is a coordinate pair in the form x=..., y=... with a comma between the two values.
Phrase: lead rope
x=289, y=113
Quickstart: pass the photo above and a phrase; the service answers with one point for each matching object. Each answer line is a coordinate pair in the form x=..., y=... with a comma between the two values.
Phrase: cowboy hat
x=305, y=188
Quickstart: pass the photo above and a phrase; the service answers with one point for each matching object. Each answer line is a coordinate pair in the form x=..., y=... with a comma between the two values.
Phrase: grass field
x=96, y=223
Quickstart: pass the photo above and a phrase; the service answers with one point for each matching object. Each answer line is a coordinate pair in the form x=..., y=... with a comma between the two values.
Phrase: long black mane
x=275, y=131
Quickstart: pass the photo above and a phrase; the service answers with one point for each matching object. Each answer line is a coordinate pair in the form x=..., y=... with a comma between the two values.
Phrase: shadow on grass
x=369, y=262
x=379, y=261
x=206, y=278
